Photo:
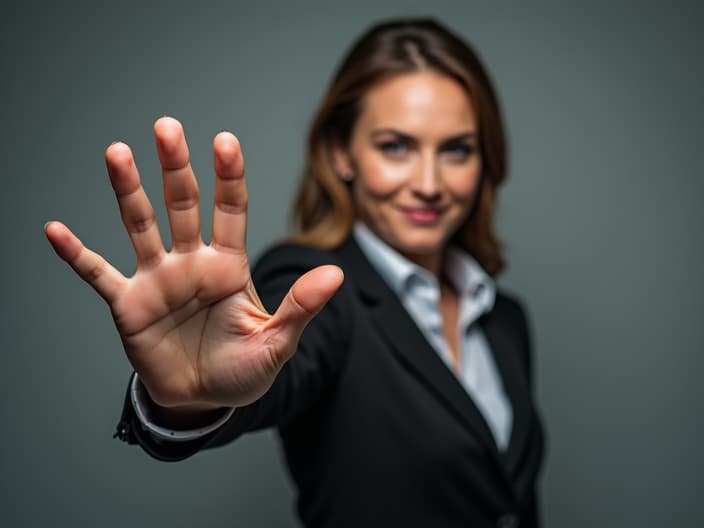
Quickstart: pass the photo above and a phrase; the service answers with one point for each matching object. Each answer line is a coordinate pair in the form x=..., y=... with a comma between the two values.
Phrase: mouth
x=422, y=215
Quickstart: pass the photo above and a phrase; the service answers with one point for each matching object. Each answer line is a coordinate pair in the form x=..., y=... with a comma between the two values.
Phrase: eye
x=459, y=152
x=393, y=149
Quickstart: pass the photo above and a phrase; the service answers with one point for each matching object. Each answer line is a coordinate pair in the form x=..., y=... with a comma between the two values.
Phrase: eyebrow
x=470, y=134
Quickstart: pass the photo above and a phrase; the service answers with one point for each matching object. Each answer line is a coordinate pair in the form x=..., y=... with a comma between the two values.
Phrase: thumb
x=304, y=300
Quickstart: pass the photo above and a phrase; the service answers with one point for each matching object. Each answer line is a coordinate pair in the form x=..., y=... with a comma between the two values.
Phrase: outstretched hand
x=190, y=319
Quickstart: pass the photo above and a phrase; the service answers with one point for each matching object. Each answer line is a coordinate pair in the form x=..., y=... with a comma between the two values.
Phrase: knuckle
x=297, y=306
x=95, y=271
x=232, y=209
x=184, y=204
x=142, y=225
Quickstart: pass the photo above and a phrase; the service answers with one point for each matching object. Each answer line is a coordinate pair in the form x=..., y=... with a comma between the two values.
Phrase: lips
x=422, y=215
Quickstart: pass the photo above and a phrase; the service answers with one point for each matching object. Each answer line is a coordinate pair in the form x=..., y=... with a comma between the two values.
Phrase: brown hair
x=323, y=209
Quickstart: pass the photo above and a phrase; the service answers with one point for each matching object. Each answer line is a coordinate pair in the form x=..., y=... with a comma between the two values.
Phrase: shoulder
x=510, y=313
x=291, y=257
x=510, y=306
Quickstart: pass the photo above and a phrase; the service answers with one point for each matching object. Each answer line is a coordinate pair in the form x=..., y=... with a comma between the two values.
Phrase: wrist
x=177, y=423
x=185, y=416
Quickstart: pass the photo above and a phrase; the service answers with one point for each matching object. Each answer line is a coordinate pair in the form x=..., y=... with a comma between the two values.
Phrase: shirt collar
x=465, y=273
x=393, y=267
x=469, y=278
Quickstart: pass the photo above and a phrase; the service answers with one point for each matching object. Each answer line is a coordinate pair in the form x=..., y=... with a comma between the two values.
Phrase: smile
x=421, y=215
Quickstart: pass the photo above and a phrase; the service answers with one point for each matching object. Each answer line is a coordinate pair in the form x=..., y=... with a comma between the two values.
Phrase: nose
x=426, y=183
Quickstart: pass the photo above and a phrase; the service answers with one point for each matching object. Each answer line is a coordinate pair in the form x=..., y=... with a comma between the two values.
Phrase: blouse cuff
x=140, y=402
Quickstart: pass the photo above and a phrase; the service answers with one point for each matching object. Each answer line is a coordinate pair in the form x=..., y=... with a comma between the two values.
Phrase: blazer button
x=508, y=520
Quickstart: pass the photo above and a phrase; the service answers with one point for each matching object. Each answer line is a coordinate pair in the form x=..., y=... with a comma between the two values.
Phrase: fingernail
x=45, y=225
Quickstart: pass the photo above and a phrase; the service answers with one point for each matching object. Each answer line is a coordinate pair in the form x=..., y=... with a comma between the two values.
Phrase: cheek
x=379, y=179
x=463, y=183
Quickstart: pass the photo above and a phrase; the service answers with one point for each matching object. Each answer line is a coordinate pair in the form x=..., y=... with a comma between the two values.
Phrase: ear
x=342, y=162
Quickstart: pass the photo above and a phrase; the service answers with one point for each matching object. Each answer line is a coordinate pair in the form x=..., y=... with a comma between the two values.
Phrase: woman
x=408, y=398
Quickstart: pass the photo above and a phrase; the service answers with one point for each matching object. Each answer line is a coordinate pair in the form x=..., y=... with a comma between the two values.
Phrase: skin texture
x=414, y=163
x=190, y=319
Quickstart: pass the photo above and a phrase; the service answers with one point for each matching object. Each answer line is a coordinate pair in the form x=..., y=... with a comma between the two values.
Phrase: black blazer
x=376, y=430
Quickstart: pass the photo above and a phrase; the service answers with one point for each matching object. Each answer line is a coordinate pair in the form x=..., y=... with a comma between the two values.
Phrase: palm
x=183, y=318
x=190, y=319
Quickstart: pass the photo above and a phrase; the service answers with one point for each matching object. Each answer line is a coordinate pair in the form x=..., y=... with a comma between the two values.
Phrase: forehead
x=420, y=103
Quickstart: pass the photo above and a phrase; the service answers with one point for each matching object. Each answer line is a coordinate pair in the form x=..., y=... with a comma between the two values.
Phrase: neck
x=432, y=263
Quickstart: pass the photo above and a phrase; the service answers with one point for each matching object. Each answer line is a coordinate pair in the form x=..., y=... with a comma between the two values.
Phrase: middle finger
x=180, y=185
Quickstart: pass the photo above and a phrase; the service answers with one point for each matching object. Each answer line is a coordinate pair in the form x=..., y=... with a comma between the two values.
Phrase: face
x=414, y=162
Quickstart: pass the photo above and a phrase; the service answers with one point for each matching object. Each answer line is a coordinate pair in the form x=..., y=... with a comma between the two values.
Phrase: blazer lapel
x=508, y=361
x=411, y=346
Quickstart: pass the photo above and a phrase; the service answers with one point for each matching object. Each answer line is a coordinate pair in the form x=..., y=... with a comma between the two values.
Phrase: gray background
x=601, y=219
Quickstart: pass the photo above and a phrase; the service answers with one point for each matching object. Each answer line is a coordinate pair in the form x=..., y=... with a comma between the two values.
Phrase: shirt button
x=508, y=520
